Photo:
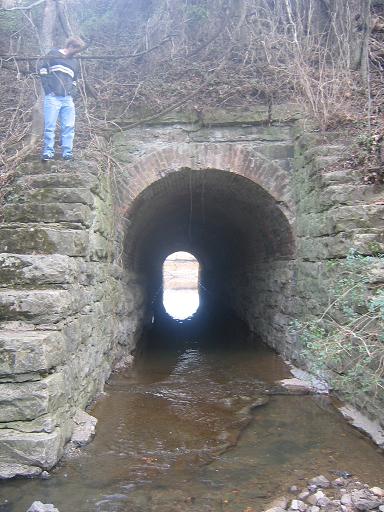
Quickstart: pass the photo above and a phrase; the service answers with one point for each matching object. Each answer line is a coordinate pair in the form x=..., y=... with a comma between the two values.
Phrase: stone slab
x=29, y=400
x=65, y=180
x=244, y=133
x=49, y=195
x=30, y=351
x=46, y=423
x=84, y=429
x=27, y=454
x=51, y=213
x=363, y=423
x=341, y=219
x=37, y=270
x=329, y=247
x=23, y=239
x=40, y=306
x=10, y=470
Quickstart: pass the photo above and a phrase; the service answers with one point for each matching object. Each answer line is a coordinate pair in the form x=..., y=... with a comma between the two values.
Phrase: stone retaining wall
x=68, y=309
x=72, y=303
x=335, y=213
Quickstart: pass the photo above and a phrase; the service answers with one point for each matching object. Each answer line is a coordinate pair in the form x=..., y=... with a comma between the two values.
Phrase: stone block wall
x=71, y=304
x=68, y=309
x=335, y=209
x=335, y=213
x=263, y=295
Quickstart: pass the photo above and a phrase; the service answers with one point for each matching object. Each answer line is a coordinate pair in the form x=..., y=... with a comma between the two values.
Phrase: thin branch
x=91, y=57
x=21, y=8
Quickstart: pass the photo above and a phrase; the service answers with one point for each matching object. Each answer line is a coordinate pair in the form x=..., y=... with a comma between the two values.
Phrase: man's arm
x=44, y=73
x=75, y=75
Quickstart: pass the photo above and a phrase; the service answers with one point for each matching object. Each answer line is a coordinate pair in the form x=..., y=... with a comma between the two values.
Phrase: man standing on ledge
x=58, y=75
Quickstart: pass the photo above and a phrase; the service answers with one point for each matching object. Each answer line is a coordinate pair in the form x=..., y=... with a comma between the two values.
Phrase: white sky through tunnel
x=180, y=285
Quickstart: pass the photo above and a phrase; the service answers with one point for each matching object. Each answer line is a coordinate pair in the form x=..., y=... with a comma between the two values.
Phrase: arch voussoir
x=234, y=158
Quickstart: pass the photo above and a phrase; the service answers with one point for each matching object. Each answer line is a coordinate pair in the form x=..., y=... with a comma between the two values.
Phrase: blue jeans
x=62, y=108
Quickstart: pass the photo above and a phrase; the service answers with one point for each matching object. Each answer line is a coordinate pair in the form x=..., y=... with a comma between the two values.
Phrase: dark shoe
x=47, y=158
x=67, y=157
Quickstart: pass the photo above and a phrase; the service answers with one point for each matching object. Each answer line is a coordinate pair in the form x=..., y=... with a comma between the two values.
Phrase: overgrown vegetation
x=346, y=344
x=196, y=55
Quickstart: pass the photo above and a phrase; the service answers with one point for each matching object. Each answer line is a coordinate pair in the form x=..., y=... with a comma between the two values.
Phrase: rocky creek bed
x=343, y=494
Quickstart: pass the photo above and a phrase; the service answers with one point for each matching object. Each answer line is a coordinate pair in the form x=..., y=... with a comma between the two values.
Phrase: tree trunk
x=46, y=43
x=66, y=22
x=48, y=26
x=364, y=60
x=351, y=29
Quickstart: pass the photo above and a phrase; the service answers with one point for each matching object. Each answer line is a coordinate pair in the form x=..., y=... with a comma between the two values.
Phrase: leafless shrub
x=197, y=55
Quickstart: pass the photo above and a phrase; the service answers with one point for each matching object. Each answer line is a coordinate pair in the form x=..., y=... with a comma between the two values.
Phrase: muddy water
x=189, y=428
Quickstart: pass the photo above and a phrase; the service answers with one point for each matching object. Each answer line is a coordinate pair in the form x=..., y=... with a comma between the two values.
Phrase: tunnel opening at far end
x=181, y=285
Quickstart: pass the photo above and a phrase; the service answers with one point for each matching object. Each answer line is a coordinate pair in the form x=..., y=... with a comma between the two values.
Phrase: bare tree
x=153, y=57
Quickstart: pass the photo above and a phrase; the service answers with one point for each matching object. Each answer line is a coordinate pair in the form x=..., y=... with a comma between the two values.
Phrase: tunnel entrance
x=238, y=232
x=181, y=285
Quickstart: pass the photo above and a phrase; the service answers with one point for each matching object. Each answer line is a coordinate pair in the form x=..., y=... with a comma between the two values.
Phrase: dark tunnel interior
x=229, y=223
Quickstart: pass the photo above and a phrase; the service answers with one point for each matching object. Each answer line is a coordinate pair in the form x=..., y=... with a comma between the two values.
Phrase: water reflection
x=181, y=304
x=176, y=434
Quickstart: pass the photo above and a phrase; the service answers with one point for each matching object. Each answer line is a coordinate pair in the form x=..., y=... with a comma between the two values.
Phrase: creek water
x=191, y=427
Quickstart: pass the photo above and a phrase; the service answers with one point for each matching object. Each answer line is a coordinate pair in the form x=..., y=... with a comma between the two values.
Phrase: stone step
x=344, y=176
x=73, y=180
x=39, y=306
x=48, y=213
x=44, y=423
x=27, y=401
x=49, y=195
x=336, y=246
x=27, y=454
x=24, y=352
x=325, y=150
x=337, y=196
x=342, y=219
x=42, y=239
x=28, y=270
x=34, y=165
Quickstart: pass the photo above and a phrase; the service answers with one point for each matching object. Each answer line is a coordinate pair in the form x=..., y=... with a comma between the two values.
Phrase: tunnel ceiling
x=220, y=217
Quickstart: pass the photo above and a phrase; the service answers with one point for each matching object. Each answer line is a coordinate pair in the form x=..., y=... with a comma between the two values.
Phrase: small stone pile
x=344, y=494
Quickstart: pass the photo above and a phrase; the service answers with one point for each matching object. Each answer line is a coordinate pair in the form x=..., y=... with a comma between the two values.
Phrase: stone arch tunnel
x=229, y=222
x=81, y=251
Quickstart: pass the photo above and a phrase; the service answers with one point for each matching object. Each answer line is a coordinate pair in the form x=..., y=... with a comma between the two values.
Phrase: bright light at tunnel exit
x=180, y=285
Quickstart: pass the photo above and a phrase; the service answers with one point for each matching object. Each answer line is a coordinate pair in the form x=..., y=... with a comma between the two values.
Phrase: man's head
x=73, y=46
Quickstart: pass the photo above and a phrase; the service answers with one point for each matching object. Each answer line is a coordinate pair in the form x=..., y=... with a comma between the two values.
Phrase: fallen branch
x=20, y=58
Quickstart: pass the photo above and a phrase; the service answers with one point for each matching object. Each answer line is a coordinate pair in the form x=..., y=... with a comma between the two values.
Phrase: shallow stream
x=191, y=428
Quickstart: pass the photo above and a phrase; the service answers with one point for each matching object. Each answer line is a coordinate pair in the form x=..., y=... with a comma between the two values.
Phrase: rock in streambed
x=344, y=494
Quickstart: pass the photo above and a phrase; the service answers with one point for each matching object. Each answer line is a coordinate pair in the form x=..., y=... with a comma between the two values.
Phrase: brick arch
x=236, y=159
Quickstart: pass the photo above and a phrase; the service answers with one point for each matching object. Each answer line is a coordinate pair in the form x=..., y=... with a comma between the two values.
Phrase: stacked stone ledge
x=69, y=309
x=65, y=309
